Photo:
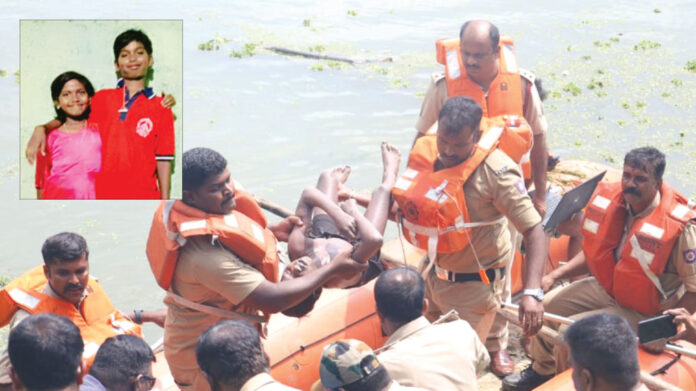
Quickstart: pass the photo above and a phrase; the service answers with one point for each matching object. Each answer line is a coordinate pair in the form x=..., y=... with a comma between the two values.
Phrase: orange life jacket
x=96, y=318
x=243, y=232
x=505, y=91
x=515, y=139
x=633, y=279
x=432, y=204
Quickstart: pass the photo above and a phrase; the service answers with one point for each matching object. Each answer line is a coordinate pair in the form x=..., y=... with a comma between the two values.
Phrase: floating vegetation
x=601, y=94
x=16, y=75
x=399, y=82
x=594, y=83
x=646, y=44
x=317, y=49
x=601, y=44
x=352, y=12
x=677, y=82
x=640, y=105
x=306, y=22
x=600, y=71
x=3, y=73
x=586, y=58
x=614, y=39
x=691, y=66
x=572, y=88
x=213, y=44
x=625, y=105
x=657, y=11
x=248, y=51
x=4, y=280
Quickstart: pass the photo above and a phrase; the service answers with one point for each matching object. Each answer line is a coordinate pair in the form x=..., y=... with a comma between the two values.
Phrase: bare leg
x=328, y=183
x=378, y=210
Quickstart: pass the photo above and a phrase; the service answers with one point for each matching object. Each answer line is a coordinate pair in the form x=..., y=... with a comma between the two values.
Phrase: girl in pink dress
x=74, y=149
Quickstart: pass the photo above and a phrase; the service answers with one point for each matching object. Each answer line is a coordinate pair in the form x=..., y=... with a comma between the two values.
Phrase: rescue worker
x=472, y=186
x=63, y=287
x=446, y=356
x=217, y=257
x=479, y=65
x=640, y=246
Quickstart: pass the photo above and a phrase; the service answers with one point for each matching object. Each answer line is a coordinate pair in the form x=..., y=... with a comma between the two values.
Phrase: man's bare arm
x=345, y=223
x=37, y=142
x=539, y=160
x=531, y=311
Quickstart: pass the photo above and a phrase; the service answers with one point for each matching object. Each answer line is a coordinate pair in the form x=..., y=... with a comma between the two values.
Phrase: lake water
x=281, y=120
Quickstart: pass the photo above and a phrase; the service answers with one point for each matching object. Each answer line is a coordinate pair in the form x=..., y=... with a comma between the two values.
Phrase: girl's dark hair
x=57, y=87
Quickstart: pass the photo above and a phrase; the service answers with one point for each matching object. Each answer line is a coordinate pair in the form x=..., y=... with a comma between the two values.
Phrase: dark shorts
x=323, y=226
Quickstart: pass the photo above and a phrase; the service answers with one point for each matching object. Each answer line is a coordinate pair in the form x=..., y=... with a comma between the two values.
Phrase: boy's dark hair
x=120, y=359
x=45, y=351
x=230, y=353
x=57, y=87
x=62, y=247
x=129, y=36
x=605, y=344
x=198, y=164
x=459, y=112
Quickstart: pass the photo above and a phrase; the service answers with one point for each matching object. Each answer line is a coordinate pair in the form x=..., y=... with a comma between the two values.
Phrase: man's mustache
x=72, y=287
x=633, y=191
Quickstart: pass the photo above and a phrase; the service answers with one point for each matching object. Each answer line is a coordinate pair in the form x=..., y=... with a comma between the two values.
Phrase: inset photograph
x=101, y=109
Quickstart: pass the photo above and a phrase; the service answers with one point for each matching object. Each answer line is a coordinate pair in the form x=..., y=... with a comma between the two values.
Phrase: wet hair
x=605, y=344
x=120, y=359
x=230, y=353
x=493, y=34
x=129, y=36
x=399, y=294
x=305, y=306
x=375, y=381
x=648, y=159
x=45, y=351
x=198, y=164
x=460, y=112
x=64, y=247
x=57, y=87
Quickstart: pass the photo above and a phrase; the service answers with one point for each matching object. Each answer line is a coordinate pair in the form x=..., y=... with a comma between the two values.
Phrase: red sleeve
x=97, y=107
x=164, y=144
x=43, y=168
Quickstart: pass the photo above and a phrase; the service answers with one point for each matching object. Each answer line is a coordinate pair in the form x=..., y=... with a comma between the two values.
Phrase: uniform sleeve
x=534, y=112
x=4, y=357
x=435, y=97
x=684, y=255
x=226, y=274
x=164, y=145
x=509, y=193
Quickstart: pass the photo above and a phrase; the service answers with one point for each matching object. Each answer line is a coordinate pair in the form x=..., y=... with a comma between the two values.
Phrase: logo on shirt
x=690, y=255
x=144, y=127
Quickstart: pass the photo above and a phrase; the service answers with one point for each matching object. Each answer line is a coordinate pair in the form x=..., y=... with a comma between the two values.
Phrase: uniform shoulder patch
x=499, y=162
x=437, y=77
x=527, y=75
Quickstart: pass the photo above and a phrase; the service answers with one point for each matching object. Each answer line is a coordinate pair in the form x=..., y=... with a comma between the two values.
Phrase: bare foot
x=341, y=173
x=391, y=157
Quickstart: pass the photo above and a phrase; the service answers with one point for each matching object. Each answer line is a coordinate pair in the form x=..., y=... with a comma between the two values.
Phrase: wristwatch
x=537, y=293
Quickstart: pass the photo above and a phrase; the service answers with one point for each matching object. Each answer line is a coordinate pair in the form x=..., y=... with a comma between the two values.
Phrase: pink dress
x=75, y=158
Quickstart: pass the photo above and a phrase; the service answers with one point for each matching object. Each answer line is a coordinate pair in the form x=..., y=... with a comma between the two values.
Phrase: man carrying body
x=63, y=287
x=471, y=186
x=640, y=245
x=444, y=357
x=137, y=132
x=491, y=77
x=46, y=354
x=232, y=359
x=217, y=257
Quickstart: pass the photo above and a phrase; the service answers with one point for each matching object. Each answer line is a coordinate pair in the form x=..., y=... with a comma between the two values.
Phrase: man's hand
x=531, y=315
x=539, y=202
x=346, y=267
x=547, y=282
x=284, y=227
x=682, y=316
x=347, y=226
x=36, y=144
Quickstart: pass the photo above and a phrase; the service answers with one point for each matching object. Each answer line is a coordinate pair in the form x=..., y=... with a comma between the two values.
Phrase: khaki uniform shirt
x=264, y=382
x=436, y=95
x=443, y=357
x=495, y=189
x=680, y=272
x=207, y=274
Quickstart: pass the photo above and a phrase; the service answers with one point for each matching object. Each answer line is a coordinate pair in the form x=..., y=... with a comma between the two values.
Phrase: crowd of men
x=216, y=255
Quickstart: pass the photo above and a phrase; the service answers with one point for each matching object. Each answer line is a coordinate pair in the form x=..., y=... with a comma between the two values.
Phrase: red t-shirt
x=132, y=147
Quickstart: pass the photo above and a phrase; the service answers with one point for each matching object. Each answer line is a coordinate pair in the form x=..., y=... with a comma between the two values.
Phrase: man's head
x=230, y=353
x=400, y=297
x=66, y=265
x=457, y=130
x=207, y=183
x=603, y=352
x=479, y=45
x=642, y=176
x=124, y=363
x=46, y=353
x=350, y=365
x=132, y=54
